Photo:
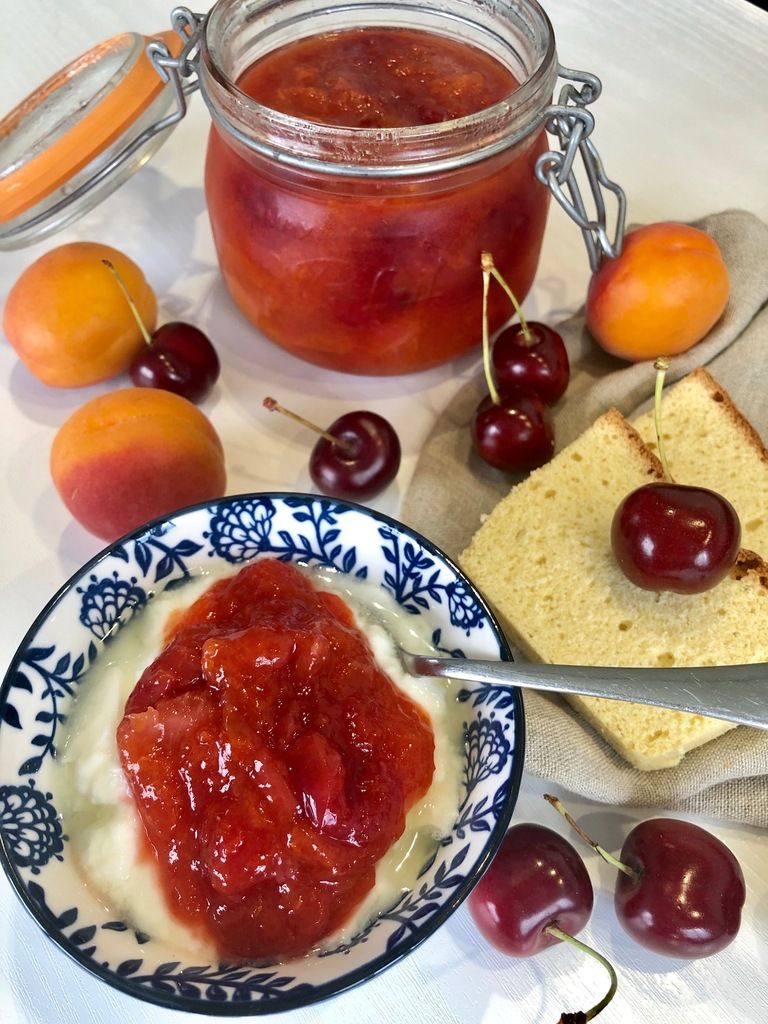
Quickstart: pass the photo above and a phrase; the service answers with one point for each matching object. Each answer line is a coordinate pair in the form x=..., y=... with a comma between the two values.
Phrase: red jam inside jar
x=377, y=78
x=272, y=762
x=375, y=274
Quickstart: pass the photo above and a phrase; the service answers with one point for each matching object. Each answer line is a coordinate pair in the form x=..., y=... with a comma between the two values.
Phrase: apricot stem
x=273, y=406
x=582, y=1016
x=487, y=262
x=661, y=365
x=131, y=304
x=608, y=857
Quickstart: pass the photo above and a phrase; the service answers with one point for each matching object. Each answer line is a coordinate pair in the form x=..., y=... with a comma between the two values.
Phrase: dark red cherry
x=178, y=358
x=362, y=463
x=675, y=537
x=538, y=362
x=536, y=879
x=687, y=898
x=679, y=891
x=516, y=433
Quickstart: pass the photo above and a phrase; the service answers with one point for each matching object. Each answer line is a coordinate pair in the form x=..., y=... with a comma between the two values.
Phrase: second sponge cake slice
x=543, y=559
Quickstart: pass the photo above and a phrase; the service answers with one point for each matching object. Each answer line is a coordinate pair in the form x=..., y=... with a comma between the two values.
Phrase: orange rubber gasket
x=91, y=135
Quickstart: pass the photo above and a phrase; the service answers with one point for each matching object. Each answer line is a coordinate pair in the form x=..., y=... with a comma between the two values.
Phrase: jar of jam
x=361, y=157
x=357, y=246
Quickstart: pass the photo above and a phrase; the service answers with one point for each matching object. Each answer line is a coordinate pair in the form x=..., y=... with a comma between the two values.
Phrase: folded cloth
x=452, y=489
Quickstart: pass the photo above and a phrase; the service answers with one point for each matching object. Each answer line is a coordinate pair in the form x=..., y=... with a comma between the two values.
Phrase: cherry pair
x=526, y=371
x=679, y=892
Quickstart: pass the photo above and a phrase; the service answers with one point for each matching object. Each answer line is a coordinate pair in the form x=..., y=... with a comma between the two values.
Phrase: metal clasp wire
x=572, y=123
x=180, y=72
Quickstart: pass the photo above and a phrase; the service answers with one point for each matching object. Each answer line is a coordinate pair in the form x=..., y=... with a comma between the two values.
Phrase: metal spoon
x=737, y=693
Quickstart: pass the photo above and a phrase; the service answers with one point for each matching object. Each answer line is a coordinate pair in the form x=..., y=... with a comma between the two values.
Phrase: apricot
x=131, y=455
x=68, y=320
x=661, y=296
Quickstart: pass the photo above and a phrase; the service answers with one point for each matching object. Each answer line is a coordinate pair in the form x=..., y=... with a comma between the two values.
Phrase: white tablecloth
x=682, y=125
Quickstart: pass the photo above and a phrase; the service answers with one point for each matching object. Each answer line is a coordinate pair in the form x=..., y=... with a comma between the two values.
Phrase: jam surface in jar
x=271, y=761
x=377, y=78
x=369, y=274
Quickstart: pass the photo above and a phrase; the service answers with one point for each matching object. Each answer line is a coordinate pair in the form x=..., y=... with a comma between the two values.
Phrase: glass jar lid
x=63, y=148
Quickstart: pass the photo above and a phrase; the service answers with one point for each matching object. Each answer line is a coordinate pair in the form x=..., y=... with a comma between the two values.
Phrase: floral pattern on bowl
x=79, y=623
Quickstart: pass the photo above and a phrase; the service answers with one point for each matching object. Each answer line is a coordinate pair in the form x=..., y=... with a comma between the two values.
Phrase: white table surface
x=682, y=125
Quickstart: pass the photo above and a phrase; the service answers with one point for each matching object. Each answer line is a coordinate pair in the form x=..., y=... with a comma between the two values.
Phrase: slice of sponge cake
x=543, y=559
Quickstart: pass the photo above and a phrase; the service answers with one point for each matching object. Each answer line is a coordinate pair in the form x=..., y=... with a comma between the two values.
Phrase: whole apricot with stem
x=664, y=292
x=68, y=322
x=132, y=455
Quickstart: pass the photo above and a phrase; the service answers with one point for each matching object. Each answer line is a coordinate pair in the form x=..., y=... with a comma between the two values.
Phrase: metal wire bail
x=572, y=123
x=181, y=71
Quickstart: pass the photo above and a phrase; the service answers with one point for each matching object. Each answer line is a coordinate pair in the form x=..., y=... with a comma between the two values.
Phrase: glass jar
x=359, y=249
x=354, y=248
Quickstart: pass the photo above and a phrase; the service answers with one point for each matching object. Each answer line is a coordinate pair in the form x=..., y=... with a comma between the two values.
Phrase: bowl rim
x=370, y=968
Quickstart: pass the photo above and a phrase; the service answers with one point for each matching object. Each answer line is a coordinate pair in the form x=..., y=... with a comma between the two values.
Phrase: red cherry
x=516, y=433
x=178, y=358
x=686, y=897
x=674, y=537
x=536, y=361
x=362, y=463
x=680, y=890
x=355, y=458
x=535, y=880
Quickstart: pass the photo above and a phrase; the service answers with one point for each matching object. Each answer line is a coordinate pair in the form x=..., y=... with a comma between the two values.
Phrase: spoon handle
x=736, y=693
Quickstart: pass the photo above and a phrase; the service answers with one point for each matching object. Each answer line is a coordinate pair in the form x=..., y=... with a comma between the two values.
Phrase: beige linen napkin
x=452, y=489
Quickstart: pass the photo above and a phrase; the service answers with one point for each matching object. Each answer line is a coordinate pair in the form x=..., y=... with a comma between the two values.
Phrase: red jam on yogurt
x=272, y=762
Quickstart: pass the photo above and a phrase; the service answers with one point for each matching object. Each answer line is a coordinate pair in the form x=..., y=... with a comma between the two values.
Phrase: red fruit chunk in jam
x=271, y=761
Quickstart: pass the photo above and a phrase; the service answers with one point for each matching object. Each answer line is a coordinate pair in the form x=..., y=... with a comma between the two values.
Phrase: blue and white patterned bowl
x=78, y=624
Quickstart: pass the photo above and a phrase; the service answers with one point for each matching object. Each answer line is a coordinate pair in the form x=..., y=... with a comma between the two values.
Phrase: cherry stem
x=486, y=260
x=608, y=857
x=581, y=1016
x=661, y=365
x=273, y=406
x=131, y=304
